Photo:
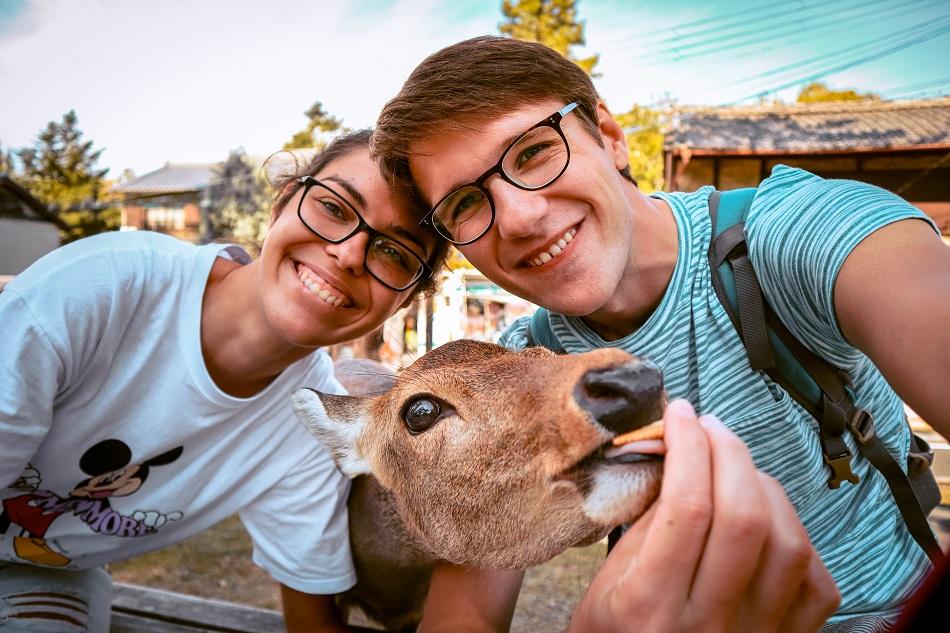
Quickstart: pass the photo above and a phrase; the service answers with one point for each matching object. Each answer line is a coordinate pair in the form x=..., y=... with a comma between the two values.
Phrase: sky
x=188, y=81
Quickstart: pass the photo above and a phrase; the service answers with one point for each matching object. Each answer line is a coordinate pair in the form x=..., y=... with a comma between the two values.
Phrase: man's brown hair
x=473, y=82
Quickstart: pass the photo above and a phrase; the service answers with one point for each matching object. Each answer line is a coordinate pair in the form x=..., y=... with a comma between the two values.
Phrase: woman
x=144, y=391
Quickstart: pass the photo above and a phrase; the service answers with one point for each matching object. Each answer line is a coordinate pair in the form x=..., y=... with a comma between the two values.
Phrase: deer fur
x=510, y=475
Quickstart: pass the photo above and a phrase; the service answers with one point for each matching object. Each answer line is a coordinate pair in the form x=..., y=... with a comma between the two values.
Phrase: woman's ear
x=615, y=141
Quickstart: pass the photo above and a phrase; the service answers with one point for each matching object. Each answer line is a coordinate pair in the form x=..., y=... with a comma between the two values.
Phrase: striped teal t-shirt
x=800, y=230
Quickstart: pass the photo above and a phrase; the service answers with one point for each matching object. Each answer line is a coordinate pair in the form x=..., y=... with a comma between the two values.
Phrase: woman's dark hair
x=286, y=185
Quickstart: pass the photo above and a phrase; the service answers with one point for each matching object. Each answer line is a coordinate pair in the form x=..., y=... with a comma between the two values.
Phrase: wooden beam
x=146, y=610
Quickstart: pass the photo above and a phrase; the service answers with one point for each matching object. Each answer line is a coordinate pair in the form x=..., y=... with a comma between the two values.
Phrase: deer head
x=495, y=458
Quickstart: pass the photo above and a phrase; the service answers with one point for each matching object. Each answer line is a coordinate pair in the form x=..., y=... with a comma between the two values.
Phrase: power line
x=916, y=86
x=715, y=18
x=721, y=44
x=932, y=93
x=722, y=31
x=936, y=32
x=849, y=26
x=849, y=50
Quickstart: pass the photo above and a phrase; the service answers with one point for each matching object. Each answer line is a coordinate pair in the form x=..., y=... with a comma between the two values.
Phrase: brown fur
x=505, y=479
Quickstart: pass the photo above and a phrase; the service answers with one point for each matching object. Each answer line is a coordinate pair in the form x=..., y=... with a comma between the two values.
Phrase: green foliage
x=818, y=91
x=239, y=202
x=644, y=131
x=553, y=23
x=6, y=161
x=60, y=170
x=319, y=124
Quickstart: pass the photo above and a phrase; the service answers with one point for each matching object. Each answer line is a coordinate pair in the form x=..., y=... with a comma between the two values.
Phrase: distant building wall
x=22, y=242
x=920, y=177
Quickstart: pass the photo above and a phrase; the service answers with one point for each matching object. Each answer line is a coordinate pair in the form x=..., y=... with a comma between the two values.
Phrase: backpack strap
x=822, y=390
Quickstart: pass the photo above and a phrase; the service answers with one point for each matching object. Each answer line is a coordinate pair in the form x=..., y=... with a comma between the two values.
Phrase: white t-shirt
x=114, y=440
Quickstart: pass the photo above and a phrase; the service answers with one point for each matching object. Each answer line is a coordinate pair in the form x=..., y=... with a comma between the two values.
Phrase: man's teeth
x=555, y=249
x=312, y=282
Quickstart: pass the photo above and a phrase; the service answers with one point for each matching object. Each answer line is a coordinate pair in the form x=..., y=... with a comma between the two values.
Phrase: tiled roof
x=172, y=178
x=814, y=127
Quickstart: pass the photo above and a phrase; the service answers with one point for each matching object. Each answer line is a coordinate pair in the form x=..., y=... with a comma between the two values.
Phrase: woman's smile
x=320, y=287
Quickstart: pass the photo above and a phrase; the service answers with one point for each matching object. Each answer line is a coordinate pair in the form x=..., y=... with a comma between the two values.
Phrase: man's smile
x=554, y=249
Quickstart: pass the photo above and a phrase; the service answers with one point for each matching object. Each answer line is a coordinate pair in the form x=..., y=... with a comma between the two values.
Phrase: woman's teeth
x=555, y=249
x=313, y=282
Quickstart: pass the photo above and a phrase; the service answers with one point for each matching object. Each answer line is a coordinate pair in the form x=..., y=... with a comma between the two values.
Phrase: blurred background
x=123, y=115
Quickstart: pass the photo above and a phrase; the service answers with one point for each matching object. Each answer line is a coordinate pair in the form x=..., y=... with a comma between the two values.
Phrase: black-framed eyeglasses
x=533, y=161
x=331, y=217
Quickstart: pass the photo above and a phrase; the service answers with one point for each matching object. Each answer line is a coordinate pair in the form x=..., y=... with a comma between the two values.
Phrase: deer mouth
x=604, y=457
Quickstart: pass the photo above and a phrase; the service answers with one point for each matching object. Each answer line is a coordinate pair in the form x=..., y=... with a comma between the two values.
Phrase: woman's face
x=315, y=293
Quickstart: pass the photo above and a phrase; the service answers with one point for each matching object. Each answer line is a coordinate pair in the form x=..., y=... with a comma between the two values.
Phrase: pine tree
x=6, y=161
x=320, y=124
x=60, y=170
x=239, y=209
x=553, y=23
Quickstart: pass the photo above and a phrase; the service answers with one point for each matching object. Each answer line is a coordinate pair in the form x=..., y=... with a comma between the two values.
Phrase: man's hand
x=722, y=549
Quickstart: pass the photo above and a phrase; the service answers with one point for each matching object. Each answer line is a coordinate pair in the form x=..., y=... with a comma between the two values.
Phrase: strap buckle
x=840, y=470
x=862, y=426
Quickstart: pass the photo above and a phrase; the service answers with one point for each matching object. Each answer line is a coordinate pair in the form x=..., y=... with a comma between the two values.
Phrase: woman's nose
x=518, y=213
x=351, y=252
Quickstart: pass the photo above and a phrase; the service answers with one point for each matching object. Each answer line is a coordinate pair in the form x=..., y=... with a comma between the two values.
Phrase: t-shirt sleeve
x=801, y=229
x=53, y=317
x=299, y=526
x=31, y=371
x=516, y=336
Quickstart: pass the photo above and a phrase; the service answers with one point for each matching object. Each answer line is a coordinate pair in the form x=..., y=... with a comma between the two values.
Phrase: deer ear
x=338, y=422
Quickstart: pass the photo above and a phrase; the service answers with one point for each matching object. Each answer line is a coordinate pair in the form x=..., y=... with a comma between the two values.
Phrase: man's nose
x=518, y=213
x=351, y=252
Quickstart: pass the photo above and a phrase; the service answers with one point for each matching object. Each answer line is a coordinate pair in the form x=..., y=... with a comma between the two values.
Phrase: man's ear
x=615, y=141
x=338, y=422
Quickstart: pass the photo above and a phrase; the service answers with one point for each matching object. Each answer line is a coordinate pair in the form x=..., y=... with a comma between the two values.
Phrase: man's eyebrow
x=500, y=148
x=350, y=189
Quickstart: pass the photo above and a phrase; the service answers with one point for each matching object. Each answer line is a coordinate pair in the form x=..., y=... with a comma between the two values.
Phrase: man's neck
x=652, y=259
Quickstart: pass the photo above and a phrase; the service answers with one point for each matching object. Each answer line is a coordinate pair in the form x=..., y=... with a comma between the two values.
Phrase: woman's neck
x=241, y=353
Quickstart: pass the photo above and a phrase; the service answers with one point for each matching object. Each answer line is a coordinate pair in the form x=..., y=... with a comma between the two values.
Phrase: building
x=169, y=200
x=902, y=146
x=28, y=230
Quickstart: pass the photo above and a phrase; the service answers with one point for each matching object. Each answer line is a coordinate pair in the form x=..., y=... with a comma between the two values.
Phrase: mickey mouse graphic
x=111, y=474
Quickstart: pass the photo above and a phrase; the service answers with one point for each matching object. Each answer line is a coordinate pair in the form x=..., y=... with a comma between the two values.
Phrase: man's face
x=565, y=246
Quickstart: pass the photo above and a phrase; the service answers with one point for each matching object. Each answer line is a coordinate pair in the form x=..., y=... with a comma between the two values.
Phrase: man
x=526, y=171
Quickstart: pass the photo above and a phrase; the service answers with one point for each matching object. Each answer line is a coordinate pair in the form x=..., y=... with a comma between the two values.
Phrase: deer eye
x=421, y=413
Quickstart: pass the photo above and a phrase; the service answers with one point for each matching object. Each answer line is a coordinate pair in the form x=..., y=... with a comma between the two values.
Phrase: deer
x=482, y=457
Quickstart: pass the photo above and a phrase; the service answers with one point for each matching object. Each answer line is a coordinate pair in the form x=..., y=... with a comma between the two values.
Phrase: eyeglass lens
x=332, y=218
x=534, y=161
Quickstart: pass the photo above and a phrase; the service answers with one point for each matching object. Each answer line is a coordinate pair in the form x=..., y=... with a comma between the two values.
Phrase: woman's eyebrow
x=412, y=238
x=350, y=189
x=361, y=202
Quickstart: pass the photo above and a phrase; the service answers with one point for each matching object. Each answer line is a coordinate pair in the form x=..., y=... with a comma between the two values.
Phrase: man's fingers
x=785, y=564
x=740, y=527
x=816, y=601
x=674, y=543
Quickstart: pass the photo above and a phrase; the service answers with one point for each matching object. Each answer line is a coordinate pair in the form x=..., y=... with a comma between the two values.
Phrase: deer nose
x=623, y=397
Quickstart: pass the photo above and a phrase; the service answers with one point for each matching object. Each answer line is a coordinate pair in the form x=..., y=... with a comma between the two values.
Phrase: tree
x=60, y=170
x=239, y=210
x=553, y=23
x=320, y=124
x=818, y=91
x=6, y=161
x=644, y=130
